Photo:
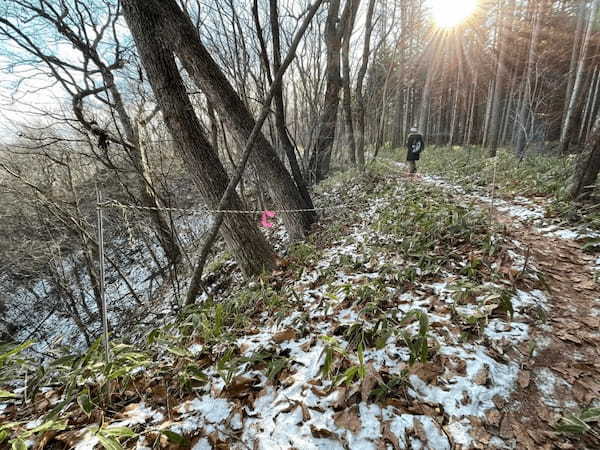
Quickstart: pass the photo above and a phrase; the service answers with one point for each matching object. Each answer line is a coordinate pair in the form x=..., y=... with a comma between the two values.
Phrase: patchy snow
x=89, y=440
x=462, y=396
x=138, y=414
x=460, y=432
x=202, y=444
x=213, y=410
x=549, y=383
x=513, y=332
x=301, y=409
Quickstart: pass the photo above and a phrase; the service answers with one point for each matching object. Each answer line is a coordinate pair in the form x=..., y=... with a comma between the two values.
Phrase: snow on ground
x=520, y=208
x=29, y=309
x=307, y=411
x=438, y=403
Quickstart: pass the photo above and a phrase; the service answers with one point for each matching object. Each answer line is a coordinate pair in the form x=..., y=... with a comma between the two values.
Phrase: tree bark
x=494, y=124
x=321, y=153
x=280, y=121
x=574, y=53
x=566, y=128
x=588, y=166
x=178, y=33
x=346, y=83
x=360, y=78
x=240, y=233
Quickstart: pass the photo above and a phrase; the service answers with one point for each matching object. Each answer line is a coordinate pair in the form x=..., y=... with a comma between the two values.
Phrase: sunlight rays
x=448, y=14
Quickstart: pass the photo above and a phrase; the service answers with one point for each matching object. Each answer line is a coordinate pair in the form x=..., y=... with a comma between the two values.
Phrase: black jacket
x=415, y=145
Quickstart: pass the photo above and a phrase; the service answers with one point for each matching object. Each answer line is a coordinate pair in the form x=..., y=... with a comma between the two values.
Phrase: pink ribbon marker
x=264, y=219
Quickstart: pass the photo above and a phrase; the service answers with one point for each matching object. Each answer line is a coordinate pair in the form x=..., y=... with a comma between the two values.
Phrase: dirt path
x=561, y=361
x=567, y=360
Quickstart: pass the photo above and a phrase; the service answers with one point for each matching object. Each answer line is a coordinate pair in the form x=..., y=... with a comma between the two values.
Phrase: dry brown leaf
x=482, y=377
x=217, y=444
x=321, y=433
x=419, y=430
x=348, y=419
x=390, y=437
x=493, y=417
x=428, y=372
x=520, y=432
x=305, y=411
x=46, y=437
x=369, y=382
x=286, y=335
x=524, y=379
x=506, y=430
x=319, y=392
x=239, y=387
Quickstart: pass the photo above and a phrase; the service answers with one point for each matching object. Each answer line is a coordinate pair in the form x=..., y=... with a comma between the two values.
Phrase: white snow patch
x=501, y=382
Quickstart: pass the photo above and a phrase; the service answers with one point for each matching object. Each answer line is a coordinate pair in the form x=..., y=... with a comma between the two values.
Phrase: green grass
x=435, y=230
x=535, y=176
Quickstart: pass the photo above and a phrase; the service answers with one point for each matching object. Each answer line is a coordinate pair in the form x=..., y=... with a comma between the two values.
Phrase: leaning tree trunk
x=567, y=124
x=588, y=166
x=179, y=34
x=240, y=233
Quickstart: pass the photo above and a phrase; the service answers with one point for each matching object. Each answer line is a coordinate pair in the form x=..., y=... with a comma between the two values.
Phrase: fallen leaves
x=286, y=335
x=428, y=372
x=348, y=419
x=524, y=379
x=482, y=376
x=321, y=433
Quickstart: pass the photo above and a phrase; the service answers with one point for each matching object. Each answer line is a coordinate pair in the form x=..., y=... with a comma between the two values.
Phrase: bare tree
x=179, y=34
x=239, y=232
x=498, y=97
x=321, y=152
x=585, y=176
x=360, y=79
x=78, y=24
x=577, y=86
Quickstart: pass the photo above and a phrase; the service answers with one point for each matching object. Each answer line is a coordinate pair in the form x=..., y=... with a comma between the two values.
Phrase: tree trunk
x=574, y=54
x=494, y=124
x=346, y=82
x=166, y=234
x=360, y=78
x=321, y=153
x=280, y=121
x=178, y=34
x=566, y=128
x=240, y=232
x=425, y=97
x=588, y=166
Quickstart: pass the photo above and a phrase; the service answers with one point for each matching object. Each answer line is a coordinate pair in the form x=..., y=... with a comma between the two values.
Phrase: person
x=415, y=144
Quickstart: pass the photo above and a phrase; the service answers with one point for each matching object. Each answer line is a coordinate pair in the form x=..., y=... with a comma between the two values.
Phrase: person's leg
x=412, y=167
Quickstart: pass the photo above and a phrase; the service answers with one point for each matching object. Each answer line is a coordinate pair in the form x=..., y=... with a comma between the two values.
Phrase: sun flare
x=450, y=13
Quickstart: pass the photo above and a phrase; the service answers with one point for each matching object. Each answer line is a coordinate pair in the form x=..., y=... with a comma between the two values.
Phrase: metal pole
x=101, y=277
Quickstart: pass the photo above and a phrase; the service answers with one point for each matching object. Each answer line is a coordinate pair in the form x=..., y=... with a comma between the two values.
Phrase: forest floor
x=418, y=317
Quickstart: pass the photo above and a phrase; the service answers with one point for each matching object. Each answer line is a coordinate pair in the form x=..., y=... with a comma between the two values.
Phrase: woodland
x=211, y=235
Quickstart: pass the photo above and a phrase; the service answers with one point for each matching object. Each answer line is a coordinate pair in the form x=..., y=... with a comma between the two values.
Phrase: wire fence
x=119, y=205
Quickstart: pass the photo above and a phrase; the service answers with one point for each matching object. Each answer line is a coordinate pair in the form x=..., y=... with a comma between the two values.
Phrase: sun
x=450, y=13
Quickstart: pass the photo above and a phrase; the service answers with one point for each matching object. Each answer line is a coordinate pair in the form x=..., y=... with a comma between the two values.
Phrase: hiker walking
x=415, y=144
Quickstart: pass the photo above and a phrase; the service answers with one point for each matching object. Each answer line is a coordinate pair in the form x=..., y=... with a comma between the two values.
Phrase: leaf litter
x=387, y=347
